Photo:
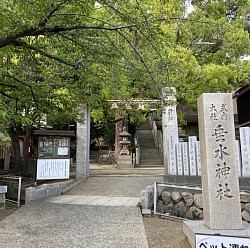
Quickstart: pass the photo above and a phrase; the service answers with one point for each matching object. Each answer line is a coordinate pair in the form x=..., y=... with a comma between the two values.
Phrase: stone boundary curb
x=72, y=185
x=48, y=190
x=41, y=192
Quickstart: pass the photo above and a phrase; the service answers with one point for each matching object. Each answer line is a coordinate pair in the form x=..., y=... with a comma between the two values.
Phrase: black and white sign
x=218, y=241
x=53, y=169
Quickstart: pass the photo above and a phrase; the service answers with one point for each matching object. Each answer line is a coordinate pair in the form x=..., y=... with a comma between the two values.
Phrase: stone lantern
x=124, y=159
x=124, y=142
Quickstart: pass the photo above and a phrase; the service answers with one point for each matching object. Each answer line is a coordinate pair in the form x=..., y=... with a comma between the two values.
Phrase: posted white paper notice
x=53, y=169
x=62, y=151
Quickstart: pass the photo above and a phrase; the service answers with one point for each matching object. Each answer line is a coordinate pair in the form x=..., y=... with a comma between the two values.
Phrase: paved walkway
x=95, y=200
x=99, y=212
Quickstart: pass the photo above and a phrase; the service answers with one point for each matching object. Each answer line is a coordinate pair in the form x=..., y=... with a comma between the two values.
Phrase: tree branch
x=50, y=13
x=5, y=41
x=26, y=45
x=18, y=80
x=35, y=31
x=9, y=85
x=139, y=55
x=7, y=95
x=26, y=84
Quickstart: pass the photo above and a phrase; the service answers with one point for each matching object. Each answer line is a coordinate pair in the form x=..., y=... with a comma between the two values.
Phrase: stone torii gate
x=169, y=128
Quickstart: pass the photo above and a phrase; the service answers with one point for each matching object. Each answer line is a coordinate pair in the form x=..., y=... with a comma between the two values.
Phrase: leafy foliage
x=71, y=52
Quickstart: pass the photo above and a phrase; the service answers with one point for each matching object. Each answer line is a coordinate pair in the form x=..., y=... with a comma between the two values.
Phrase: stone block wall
x=184, y=204
x=43, y=191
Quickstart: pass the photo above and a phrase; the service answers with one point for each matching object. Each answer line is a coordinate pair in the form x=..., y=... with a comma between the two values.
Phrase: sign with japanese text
x=53, y=169
x=220, y=183
x=245, y=150
x=172, y=157
x=179, y=159
x=185, y=158
x=218, y=241
x=192, y=155
x=219, y=114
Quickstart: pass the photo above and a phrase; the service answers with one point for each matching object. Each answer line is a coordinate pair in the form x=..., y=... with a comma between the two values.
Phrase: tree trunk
x=16, y=152
x=26, y=149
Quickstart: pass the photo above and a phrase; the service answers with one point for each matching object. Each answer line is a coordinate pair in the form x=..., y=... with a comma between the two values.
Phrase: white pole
x=155, y=197
x=19, y=191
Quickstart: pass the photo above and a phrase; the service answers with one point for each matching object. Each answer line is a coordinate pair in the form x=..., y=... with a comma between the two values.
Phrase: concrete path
x=99, y=212
x=42, y=224
x=95, y=200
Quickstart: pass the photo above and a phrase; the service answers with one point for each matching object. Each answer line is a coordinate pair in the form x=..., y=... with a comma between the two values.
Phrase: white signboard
x=211, y=241
x=3, y=189
x=53, y=169
x=63, y=151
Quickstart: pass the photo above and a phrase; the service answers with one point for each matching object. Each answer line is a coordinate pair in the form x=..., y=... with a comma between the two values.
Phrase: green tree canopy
x=57, y=54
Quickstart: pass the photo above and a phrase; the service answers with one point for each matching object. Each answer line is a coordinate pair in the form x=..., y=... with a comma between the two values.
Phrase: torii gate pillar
x=83, y=142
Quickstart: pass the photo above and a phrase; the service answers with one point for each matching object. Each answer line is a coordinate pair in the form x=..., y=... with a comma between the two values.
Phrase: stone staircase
x=150, y=156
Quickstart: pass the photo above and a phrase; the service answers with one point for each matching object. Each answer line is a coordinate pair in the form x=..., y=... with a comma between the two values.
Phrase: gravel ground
x=161, y=233
x=129, y=186
x=164, y=233
x=9, y=209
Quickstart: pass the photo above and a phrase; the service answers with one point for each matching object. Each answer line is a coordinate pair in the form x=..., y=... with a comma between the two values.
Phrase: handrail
x=19, y=188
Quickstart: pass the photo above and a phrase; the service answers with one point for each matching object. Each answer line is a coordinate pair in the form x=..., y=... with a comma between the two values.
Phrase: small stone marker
x=198, y=157
x=192, y=155
x=172, y=168
x=237, y=143
x=220, y=184
x=245, y=150
x=179, y=159
x=146, y=212
x=185, y=158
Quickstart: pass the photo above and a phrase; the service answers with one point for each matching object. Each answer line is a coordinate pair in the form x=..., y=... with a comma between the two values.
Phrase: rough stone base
x=146, y=212
x=124, y=161
x=190, y=228
x=147, y=197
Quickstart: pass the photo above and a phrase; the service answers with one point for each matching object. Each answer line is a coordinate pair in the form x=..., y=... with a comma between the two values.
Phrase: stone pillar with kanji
x=219, y=172
x=220, y=183
x=169, y=130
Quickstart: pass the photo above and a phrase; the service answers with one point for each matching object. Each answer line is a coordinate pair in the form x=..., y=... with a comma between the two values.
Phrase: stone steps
x=150, y=156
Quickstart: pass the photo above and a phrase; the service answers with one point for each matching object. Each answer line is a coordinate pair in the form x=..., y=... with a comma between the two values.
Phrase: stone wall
x=41, y=192
x=184, y=204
